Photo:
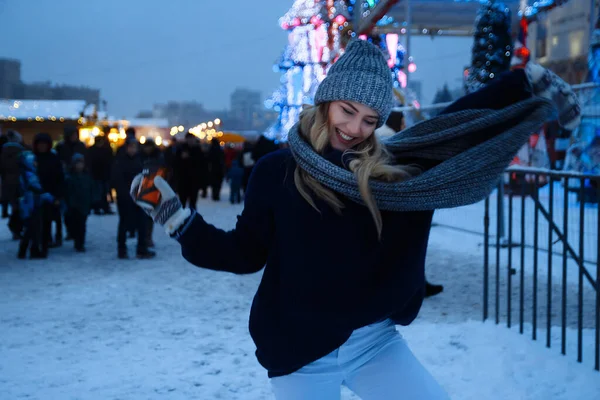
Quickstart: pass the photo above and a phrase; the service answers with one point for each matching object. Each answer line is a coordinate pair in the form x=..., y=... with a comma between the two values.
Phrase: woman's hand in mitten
x=168, y=212
x=547, y=84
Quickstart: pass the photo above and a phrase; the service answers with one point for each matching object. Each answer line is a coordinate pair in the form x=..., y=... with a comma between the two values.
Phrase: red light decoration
x=523, y=53
x=340, y=19
x=316, y=21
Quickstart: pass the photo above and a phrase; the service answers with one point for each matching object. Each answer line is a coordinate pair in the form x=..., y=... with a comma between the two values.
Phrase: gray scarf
x=470, y=148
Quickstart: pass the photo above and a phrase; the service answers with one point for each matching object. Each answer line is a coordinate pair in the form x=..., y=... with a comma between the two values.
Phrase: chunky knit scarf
x=470, y=150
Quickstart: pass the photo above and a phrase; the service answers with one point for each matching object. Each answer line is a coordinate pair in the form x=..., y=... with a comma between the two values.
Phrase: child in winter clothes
x=235, y=175
x=31, y=199
x=78, y=199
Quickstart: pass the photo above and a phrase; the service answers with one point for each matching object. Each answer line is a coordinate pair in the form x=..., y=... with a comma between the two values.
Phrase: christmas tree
x=492, y=46
x=314, y=42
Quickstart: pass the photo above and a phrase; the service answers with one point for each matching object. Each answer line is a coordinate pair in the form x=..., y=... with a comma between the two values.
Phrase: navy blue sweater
x=325, y=274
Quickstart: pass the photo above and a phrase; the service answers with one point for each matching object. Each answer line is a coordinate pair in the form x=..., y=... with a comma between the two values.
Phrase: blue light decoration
x=594, y=55
x=315, y=29
x=491, y=52
x=531, y=12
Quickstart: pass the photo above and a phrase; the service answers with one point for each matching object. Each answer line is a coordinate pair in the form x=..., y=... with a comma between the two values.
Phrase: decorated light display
x=521, y=53
x=318, y=31
x=315, y=29
x=531, y=12
x=492, y=47
x=594, y=55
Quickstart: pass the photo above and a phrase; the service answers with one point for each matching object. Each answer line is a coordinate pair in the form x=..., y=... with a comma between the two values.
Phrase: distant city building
x=559, y=39
x=186, y=113
x=245, y=107
x=12, y=87
x=246, y=113
x=10, y=78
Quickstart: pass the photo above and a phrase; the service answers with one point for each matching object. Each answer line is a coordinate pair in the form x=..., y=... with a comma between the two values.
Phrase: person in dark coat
x=235, y=176
x=32, y=198
x=216, y=168
x=152, y=159
x=190, y=170
x=130, y=134
x=100, y=159
x=69, y=146
x=78, y=198
x=263, y=147
x=127, y=165
x=9, y=173
x=50, y=172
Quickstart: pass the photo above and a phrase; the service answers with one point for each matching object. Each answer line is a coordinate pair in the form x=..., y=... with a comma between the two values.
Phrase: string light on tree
x=492, y=45
x=314, y=30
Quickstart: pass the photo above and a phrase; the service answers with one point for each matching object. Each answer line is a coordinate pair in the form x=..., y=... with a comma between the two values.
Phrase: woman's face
x=350, y=124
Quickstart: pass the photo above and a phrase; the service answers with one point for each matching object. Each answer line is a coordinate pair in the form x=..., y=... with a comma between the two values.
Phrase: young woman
x=344, y=261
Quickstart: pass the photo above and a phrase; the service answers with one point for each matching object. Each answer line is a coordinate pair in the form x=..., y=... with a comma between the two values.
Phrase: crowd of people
x=44, y=184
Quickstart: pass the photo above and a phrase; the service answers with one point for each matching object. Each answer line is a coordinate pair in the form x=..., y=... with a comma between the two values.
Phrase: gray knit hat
x=361, y=75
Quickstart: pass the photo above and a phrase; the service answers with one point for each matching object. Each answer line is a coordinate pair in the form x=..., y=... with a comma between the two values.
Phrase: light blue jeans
x=375, y=363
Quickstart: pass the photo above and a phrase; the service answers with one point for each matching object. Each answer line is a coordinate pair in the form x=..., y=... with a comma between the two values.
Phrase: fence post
x=486, y=255
x=597, y=347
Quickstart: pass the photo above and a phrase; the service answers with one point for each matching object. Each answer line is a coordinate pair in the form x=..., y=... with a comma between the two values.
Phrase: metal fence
x=558, y=287
x=541, y=241
x=468, y=219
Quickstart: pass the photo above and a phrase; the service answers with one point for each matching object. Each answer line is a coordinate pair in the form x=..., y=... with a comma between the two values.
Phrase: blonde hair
x=371, y=161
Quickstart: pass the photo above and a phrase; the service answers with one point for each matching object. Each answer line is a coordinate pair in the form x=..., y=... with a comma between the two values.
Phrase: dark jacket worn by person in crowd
x=131, y=217
x=216, y=168
x=9, y=166
x=79, y=189
x=151, y=156
x=69, y=146
x=125, y=168
x=100, y=159
x=9, y=174
x=51, y=174
x=50, y=169
x=190, y=170
x=235, y=175
x=78, y=193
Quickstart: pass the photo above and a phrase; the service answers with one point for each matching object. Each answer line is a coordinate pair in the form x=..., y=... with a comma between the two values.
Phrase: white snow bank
x=93, y=327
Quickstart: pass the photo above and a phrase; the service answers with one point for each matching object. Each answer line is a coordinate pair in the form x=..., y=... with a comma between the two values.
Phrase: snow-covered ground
x=93, y=327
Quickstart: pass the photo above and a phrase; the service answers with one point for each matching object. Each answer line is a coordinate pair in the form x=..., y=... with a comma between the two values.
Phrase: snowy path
x=94, y=327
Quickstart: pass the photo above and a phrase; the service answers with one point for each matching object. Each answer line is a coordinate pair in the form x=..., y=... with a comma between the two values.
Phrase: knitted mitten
x=547, y=84
x=168, y=212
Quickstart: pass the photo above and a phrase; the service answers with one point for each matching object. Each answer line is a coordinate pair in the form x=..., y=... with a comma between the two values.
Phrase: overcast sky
x=141, y=52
